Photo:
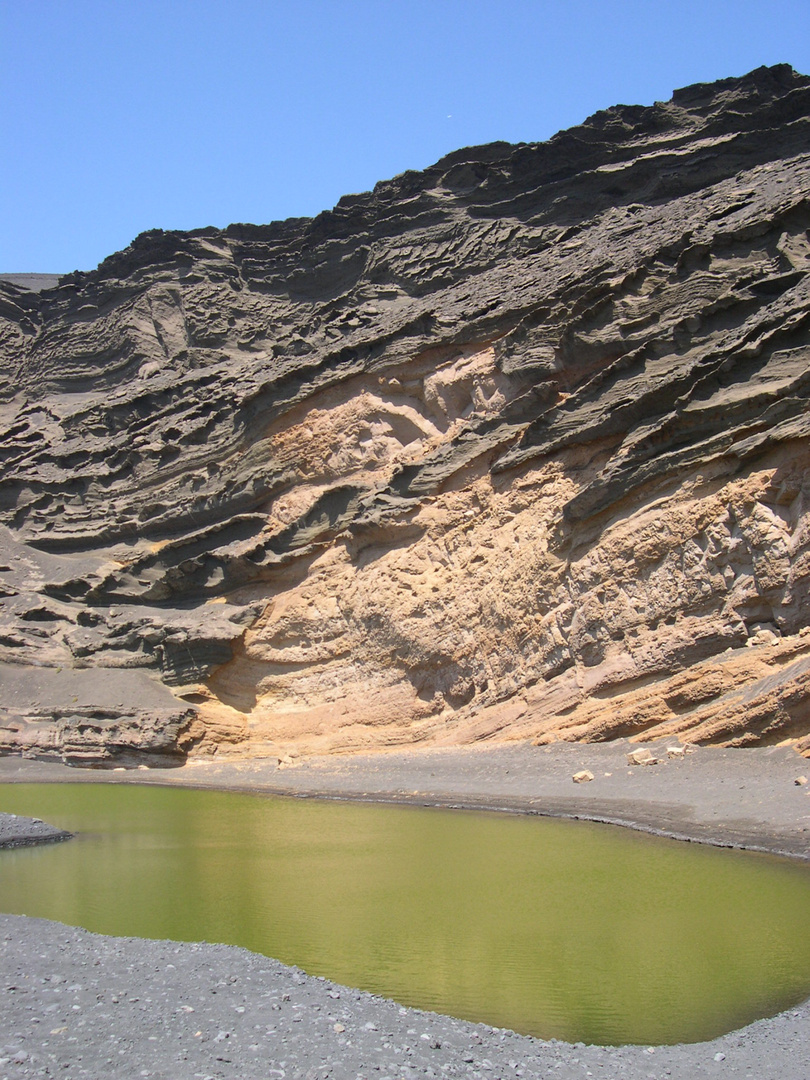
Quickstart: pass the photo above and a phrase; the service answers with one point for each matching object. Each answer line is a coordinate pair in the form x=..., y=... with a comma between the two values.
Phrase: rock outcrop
x=514, y=447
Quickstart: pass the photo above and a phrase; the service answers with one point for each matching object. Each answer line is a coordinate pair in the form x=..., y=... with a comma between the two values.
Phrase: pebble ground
x=75, y=1004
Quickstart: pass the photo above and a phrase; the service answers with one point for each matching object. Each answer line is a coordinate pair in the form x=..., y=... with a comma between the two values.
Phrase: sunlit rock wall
x=515, y=447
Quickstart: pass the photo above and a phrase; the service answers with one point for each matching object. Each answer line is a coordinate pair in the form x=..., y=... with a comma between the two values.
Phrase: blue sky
x=123, y=115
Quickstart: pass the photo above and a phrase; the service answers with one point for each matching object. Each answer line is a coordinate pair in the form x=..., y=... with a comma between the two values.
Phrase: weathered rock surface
x=513, y=447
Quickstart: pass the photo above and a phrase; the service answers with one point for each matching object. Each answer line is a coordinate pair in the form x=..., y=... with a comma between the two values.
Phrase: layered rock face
x=514, y=447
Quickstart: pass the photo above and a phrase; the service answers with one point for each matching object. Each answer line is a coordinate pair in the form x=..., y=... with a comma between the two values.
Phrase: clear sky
x=118, y=116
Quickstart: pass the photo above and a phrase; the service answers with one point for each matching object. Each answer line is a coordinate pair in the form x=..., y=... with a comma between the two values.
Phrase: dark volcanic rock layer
x=516, y=446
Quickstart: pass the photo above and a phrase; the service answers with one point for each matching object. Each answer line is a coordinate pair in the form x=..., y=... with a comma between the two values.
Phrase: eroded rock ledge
x=514, y=447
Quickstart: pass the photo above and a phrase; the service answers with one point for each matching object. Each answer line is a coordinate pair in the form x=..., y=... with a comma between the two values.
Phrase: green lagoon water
x=553, y=928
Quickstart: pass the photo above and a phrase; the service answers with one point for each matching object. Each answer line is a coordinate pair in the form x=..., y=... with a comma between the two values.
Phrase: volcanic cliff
x=514, y=447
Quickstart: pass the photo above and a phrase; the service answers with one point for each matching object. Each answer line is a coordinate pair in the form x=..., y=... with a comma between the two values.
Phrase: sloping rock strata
x=514, y=447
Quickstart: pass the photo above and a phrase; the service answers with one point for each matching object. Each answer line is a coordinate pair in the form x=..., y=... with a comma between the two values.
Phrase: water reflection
x=559, y=929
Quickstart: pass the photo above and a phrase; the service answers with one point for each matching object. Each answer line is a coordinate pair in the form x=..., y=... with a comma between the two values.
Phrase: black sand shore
x=76, y=1004
x=16, y=831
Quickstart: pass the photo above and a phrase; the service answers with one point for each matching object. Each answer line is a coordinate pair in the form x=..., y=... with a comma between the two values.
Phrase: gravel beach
x=16, y=831
x=75, y=1004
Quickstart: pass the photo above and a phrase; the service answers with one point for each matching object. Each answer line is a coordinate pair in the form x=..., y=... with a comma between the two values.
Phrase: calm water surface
x=553, y=928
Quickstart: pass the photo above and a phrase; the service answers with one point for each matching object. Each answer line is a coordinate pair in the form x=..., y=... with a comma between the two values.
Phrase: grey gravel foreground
x=75, y=1004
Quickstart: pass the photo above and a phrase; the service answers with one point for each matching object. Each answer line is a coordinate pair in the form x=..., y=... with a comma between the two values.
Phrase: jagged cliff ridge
x=513, y=447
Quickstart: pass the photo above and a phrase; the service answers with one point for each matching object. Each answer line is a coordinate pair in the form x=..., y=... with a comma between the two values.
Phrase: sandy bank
x=732, y=798
x=18, y=831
